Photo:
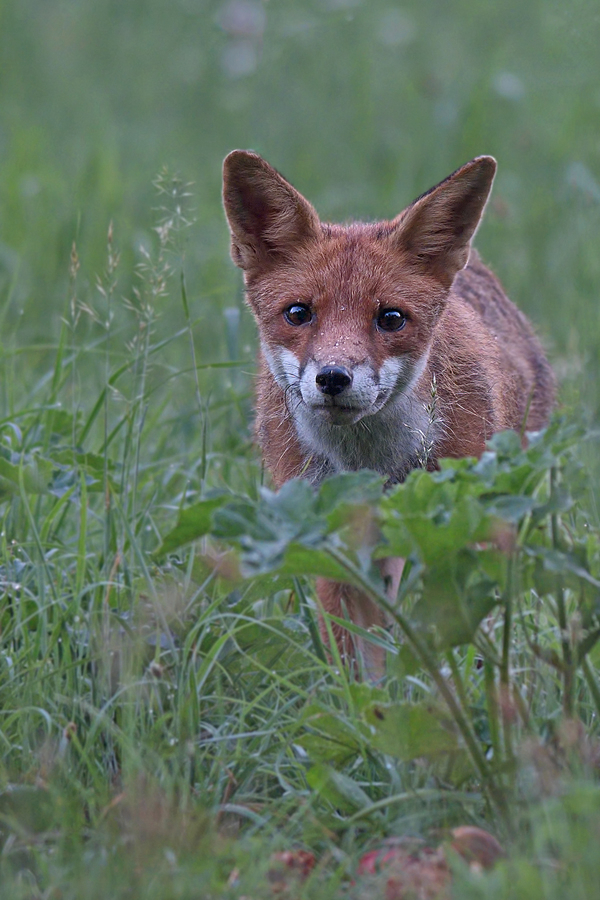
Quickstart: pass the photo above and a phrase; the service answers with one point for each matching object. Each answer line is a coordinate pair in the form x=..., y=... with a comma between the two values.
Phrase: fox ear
x=267, y=217
x=437, y=229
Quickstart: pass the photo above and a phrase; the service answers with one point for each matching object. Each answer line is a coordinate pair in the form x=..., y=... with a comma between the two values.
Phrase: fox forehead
x=347, y=271
x=346, y=276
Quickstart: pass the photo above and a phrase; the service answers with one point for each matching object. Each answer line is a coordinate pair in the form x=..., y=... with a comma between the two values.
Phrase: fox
x=356, y=323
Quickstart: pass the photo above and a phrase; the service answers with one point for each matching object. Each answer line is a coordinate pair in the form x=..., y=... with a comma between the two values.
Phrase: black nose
x=333, y=380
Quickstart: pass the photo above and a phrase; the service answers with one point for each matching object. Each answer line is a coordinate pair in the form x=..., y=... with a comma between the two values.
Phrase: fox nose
x=333, y=380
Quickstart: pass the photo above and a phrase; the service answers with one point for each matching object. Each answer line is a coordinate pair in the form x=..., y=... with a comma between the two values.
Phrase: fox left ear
x=436, y=230
x=268, y=218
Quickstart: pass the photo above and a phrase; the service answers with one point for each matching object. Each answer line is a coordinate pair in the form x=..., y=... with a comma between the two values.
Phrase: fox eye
x=391, y=320
x=298, y=314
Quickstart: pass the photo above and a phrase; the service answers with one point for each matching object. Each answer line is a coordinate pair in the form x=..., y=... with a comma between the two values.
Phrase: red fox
x=356, y=322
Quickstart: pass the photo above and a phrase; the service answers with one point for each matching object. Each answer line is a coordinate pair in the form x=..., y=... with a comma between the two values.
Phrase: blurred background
x=362, y=105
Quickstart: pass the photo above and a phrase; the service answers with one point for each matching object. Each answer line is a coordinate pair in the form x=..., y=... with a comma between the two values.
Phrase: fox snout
x=345, y=391
x=333, y=380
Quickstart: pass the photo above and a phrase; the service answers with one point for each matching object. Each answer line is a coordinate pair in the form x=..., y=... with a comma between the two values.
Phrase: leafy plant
x=493, y=545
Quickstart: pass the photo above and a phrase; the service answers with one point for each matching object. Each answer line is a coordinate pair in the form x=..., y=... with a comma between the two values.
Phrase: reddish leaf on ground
x=476, y=846
x=288, y=868
x=375, y=861
x=424, y=876
x=409, y=869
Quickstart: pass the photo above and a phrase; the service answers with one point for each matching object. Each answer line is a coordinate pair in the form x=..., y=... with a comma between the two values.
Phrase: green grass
x=164, y=728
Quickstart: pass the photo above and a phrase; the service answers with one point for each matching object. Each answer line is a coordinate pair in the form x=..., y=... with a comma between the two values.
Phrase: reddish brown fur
x=489, y=368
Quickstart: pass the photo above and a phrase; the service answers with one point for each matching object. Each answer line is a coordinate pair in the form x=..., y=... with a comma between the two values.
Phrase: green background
x=361, y=105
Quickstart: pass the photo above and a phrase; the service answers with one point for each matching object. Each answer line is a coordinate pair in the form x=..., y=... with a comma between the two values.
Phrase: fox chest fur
x=382, y=346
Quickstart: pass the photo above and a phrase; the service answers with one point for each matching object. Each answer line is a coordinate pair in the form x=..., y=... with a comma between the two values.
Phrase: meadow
x=169, y=718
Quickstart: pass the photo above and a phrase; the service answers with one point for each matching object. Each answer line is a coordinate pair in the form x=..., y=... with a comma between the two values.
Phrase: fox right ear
x=267, y=217
x=436, y=230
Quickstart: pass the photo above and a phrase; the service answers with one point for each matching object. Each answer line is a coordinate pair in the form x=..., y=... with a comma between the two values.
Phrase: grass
x=169, y=720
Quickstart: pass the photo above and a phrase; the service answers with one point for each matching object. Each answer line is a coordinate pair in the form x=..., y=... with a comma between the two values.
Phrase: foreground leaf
x=194, y=522
x=408, y=731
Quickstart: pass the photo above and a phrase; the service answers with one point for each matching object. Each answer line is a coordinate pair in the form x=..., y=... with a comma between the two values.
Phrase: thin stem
x=568, y=671
x=188, y=322
x=491, y=694
x=505, y=694
x=108, y=292
x=310, y=621
x=457, y=678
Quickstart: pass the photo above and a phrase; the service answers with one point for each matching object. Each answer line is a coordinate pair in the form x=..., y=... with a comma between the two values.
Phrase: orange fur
x=355, y=324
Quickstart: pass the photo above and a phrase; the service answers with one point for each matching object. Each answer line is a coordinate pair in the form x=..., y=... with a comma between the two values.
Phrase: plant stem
x=505, y=693
x=457, y=678
x=188, y=322
x=568, y=672
x=491, y=694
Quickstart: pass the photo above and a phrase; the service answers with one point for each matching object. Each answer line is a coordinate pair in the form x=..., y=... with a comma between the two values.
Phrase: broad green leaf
x=563, y=562
x=506, y=444
x=322, y=749
x=560, y=501
x=287, y=558
x=511, y=508
x=436, y=532
x=69, y=464
x=194, y=522
x=275, y=518
x=363, y=694
x=408, y=731
x=456, y=597
x=349, y=488
x=91, y=462
x=64, y=424
x=35, y=471
x=330, y=738
x=403, y=663
x=301, y=560
x=344, y=500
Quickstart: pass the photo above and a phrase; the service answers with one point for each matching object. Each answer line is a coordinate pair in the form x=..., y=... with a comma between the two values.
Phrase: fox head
x=346, y=314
